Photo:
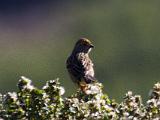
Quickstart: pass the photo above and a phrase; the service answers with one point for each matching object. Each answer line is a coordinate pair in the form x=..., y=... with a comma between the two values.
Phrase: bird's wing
x=81, y=68
x=75, y=67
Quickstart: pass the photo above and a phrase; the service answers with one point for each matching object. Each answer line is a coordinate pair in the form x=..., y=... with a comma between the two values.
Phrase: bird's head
x=83, y=45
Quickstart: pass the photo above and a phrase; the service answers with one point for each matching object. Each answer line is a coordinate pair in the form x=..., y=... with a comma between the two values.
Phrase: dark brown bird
x=79, y=64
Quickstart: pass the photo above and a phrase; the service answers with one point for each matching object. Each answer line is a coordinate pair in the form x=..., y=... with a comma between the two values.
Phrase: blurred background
x=36, y=37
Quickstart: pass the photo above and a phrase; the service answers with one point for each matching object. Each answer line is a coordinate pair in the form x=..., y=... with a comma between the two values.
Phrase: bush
x=48, y=103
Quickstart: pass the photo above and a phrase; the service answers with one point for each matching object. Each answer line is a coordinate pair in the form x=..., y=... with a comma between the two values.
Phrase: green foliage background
x=37, y=37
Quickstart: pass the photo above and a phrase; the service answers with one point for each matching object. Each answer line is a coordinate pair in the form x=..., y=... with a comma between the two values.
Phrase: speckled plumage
x=79, y=64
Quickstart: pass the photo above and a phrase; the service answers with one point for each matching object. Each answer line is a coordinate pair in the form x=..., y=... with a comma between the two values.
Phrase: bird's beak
x=91, y=45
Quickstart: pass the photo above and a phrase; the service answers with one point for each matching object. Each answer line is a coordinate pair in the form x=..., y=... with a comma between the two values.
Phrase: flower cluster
x=131, y=108
x=91, y=106
x=32, y=103
x=153, y=104
x=48, y=103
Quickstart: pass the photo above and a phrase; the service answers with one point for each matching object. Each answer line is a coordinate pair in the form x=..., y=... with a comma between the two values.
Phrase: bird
x=79, y=64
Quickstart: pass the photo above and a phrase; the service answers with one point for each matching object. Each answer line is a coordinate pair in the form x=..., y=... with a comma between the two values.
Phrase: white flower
x=62, y=91
x=13, y=94
x=129, y=93
x=126, y=114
